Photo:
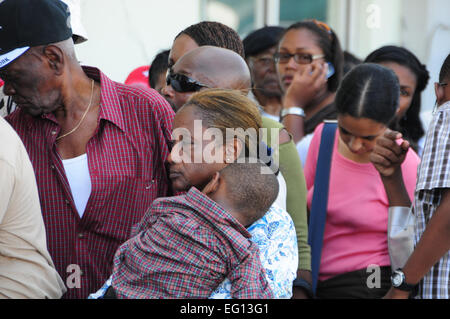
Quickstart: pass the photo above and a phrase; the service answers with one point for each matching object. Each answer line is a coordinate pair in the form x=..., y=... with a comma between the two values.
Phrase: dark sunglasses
x=182, y=83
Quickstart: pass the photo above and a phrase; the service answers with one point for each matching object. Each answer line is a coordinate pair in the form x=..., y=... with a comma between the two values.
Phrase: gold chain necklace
x=82, y=118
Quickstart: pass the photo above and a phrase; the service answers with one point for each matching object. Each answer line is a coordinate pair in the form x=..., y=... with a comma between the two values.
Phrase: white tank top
x=77, y=172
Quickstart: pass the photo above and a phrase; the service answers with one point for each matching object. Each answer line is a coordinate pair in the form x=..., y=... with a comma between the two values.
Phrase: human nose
x=8, y=89
x=169, y=158
x=168, y=91
x=355, y=144
x=271, y=67
x=176, y=154
x=291, y=64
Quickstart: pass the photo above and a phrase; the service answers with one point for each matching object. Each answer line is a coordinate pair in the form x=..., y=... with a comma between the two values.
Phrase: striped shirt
x=434, y=174
x=126, y=158
x=184, y=248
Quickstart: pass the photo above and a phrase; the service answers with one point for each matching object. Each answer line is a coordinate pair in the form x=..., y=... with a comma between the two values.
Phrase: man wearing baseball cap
x=97, y=147
x=259, y=47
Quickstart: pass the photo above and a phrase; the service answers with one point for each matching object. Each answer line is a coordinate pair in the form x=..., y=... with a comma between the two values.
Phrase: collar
x=110, y=107
x=213, y=212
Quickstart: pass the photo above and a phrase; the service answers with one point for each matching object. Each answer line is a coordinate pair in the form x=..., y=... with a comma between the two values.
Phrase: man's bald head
x=216, y=67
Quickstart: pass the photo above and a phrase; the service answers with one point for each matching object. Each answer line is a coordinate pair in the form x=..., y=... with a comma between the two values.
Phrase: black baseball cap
x=262, y=39
x=28, y=23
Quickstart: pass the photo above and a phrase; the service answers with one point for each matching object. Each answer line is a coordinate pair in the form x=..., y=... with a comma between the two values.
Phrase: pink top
x=356, y=226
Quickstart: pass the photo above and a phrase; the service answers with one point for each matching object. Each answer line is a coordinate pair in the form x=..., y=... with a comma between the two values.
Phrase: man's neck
x=78, y=115
x=271, y=104
x=78, y=93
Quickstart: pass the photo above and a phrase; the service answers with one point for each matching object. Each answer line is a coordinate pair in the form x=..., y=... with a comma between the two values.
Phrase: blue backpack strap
x=319, y=203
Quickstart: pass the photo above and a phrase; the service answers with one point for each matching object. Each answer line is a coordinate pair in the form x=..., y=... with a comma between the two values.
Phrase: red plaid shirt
x=185, y=247
x=126, y=159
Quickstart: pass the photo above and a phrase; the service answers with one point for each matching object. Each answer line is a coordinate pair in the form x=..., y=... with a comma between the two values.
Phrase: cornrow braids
x=215, y=34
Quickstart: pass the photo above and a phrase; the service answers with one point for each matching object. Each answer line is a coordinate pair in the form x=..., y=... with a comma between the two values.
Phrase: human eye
x=405, y=93
x=7, y=78
x=170, y=145
x=343, y=131
x=283, y=56
x=266, y=60
x=304, y=58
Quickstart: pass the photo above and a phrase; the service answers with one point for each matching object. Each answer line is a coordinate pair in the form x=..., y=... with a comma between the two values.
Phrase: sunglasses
x=182, y=83
x=299, y=58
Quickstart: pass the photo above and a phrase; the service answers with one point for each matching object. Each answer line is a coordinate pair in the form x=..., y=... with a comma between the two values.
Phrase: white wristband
x=294, y=110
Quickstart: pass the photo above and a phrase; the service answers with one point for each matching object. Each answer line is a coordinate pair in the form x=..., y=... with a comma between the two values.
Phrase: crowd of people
x=203, y=184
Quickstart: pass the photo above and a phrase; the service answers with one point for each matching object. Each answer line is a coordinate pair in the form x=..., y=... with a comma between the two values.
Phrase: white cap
x=75, y=20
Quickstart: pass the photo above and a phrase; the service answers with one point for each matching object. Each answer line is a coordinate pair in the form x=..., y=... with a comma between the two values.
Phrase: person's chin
x=35, y=112
x=172, y=104
x=360, y=152
x=178, y=185
x=273, y=91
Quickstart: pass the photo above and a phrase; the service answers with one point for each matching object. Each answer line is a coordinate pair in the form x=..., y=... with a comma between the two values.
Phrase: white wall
x=374, y=23
x=125, y=34
x=426, y=32
x=365, y=25
x=422, y=26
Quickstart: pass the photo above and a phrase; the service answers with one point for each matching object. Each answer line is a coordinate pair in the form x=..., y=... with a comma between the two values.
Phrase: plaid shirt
x=434, y=174
x=126, y=159
x=184, y=248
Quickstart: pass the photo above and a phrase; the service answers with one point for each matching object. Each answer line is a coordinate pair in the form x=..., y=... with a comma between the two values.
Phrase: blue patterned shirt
x=275, y=236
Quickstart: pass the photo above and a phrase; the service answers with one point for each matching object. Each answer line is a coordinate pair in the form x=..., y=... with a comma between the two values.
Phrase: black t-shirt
x=329, y=112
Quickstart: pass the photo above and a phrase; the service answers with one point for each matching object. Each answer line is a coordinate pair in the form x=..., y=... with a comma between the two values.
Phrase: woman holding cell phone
x=309, y=63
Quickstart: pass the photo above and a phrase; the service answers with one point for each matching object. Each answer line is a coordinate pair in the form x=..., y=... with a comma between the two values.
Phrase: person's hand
x=306, y=84
x=388, y=155
x=396, y=294
x=299, y=293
